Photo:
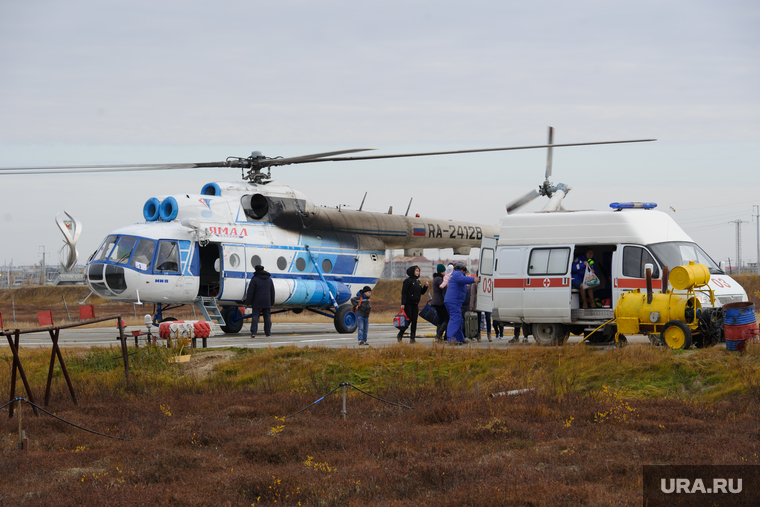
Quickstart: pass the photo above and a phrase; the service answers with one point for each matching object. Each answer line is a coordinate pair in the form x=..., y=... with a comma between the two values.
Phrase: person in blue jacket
x=455, y=298
x=580, y=263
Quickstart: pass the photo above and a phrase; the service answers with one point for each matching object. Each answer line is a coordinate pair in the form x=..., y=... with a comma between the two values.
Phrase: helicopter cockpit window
x=143, y=254
x=105, y=249
x=123, y=250
x=168, y=256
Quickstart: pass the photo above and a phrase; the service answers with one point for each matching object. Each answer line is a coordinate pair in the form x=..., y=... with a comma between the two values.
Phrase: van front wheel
x=550, y=334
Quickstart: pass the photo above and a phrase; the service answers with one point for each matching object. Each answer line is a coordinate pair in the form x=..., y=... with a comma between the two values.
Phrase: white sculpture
x=71, y=228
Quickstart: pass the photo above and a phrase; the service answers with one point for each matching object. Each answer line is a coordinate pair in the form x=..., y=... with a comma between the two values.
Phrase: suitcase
x=471, y=325
x=429, y=314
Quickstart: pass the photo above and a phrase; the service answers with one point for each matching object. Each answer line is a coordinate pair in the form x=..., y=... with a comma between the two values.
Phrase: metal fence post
x=343, y=412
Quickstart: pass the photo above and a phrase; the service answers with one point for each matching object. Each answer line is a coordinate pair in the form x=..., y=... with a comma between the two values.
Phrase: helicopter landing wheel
x=233, y=321
x=345, y=319
x=676, y=335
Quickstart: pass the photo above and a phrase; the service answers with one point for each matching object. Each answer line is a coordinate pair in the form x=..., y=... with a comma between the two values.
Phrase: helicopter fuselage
x=206, y=245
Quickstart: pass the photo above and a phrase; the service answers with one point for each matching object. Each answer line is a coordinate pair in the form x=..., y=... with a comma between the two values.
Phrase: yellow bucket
x=693, y=275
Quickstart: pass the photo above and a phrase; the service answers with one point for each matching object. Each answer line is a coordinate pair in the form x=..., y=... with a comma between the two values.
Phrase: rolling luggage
x=471, y=325
x=428, y=313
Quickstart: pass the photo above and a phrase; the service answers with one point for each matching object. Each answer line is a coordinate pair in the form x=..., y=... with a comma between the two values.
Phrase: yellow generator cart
x=673, y=317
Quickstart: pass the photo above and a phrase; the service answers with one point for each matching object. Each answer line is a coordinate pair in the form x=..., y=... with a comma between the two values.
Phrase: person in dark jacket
x=363, y=306
x=411, y=292
x=437, y=303
x=454, y=300
x=260, y=297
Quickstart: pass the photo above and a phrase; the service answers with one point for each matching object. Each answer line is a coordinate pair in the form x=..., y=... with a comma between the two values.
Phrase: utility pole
x=756, y=209
x=738, y=223
x=42, y=266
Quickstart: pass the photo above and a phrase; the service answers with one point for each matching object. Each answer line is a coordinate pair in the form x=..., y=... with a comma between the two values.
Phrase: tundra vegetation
x=580, y=436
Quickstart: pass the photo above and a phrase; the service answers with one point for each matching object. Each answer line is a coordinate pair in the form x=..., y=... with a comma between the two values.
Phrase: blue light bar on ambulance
x=617, y=206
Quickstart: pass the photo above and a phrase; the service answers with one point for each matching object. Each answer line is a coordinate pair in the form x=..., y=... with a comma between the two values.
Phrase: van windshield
x=679, y=253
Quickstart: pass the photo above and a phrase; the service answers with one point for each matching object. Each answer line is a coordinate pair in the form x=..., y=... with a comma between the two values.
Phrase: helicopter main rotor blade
x=522, y=201
x=68, y=169
x=260, y=162
x=482, y=150
x=310, y=158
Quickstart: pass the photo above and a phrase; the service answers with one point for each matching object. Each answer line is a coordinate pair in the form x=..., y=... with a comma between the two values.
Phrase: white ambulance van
x=527, y=276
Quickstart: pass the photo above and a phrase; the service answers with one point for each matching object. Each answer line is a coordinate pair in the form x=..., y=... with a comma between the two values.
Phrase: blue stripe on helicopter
x=306, y=276
x=315, y=249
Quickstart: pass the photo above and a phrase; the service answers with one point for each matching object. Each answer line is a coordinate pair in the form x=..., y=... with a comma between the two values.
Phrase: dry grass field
x=221, y=436
x=215, y=431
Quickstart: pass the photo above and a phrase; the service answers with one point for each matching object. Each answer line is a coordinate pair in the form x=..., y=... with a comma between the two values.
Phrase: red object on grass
x=86, y=312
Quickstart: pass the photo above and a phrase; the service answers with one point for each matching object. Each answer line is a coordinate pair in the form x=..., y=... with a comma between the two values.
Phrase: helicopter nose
x=106, y=280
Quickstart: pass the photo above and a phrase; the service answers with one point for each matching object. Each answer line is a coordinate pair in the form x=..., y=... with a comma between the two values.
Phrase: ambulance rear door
x=509, y=281
x=486, y=273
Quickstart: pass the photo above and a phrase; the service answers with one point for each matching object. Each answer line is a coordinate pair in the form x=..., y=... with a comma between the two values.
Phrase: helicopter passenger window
x=282, y=263
x=106, y=248
x=143, y=254
x=168, y=256
x=326, y=265
x=255, y=261
x=300, y=264
x=123, y=250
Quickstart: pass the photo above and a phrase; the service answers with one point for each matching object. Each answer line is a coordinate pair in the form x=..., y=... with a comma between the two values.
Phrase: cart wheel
x=676, y=335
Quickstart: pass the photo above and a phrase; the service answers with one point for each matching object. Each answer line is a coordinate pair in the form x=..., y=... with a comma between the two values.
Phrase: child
x=362, y=307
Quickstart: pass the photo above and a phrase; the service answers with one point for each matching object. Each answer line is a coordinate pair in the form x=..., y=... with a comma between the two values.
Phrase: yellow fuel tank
x=634, y=315
x=693, y=275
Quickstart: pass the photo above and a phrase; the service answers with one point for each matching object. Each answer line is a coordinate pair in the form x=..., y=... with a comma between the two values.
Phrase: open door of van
x=486, y=272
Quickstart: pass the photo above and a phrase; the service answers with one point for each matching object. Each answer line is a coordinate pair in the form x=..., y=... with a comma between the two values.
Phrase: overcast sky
x=179, y=81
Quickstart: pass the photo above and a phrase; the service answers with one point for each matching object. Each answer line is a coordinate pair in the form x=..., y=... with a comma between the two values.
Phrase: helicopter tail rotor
x=555, y=193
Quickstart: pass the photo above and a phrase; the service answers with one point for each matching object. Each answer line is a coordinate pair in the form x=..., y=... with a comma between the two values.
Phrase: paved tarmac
x=301, y=335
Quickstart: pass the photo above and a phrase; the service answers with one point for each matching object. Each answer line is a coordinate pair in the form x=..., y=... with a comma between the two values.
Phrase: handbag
x=401, y=321
x=589, y=279
x=429, y=313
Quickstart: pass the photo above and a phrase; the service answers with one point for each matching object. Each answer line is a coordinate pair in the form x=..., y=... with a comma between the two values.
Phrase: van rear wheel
x=550, y=334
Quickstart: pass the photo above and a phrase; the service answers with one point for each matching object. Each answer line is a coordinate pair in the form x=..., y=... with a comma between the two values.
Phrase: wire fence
x=344, y=385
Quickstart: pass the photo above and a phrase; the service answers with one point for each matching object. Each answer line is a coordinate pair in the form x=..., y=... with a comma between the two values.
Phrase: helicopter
x=201, y=249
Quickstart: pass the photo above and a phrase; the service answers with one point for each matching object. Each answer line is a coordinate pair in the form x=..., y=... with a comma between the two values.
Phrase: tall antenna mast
x=756, y=209
x=738, y=243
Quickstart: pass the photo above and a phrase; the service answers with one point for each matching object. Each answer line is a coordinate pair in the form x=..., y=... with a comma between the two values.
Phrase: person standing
x=580, y=264
x=260, y=298
x=454, y=299
x=411, y=292
x=362, y=305
x=437, y=302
